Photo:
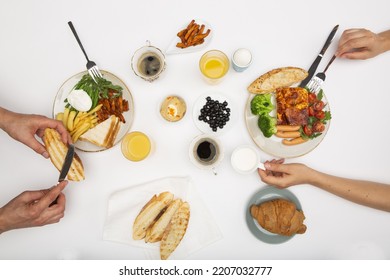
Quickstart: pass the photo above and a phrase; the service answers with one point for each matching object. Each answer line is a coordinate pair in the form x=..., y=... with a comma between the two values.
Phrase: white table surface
x=38, y=53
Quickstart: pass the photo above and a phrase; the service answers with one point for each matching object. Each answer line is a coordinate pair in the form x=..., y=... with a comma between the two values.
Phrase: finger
x=360, y=54
x=60, y=202
x=352, y=45
x=262, y=173
x=276, y=167
x=38, y=147
x=55, y=219
x=49, y=197
x=57, y=125
x=269, y=179
x=352, y=34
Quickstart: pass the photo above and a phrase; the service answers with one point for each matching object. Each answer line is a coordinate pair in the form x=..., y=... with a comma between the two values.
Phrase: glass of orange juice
x=136, y=146
x=214, y=65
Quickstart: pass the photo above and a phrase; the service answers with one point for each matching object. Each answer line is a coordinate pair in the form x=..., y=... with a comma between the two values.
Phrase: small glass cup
x=136, y=146
x=245, y=159
x=148, y=62
x=241, y=59
x=214, y=65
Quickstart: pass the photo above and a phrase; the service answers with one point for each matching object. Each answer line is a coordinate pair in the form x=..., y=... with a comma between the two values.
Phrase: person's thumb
x=276, y=167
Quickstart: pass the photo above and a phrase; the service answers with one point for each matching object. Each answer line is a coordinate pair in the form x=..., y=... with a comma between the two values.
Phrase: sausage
x=294, y=141
x=287, y=134
x=288, y=127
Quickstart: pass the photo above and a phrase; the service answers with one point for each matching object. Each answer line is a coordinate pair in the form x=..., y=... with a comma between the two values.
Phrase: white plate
x=273, y=145
x=172, y=49
x=201, y=101
x=266, y=194
x=67, y=86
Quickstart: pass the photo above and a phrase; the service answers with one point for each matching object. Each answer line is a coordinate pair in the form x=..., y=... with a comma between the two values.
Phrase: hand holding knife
x=317, y=61
x=65, y=167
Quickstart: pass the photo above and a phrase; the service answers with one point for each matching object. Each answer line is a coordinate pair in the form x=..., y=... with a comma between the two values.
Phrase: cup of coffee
x=206, y=152
x=148, y=62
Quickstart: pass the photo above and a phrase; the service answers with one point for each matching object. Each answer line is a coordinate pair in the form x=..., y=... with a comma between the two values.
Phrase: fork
x=92, y=68
x=316, y=82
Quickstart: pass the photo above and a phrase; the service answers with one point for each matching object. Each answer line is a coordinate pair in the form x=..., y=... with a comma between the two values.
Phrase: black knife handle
x=311, y=71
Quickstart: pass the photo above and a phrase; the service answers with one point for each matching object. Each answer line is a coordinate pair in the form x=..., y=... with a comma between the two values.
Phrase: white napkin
x=124, y=206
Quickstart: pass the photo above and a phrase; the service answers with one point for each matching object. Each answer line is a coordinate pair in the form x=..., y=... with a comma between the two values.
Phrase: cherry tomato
x=318, y=127
x=318, y=105
x=312, y=97
x=307, y=130
x=319, y=115
x=311, y=111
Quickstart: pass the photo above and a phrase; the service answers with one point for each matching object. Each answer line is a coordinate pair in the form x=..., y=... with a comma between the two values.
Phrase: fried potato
x=149, y=213
x=175, y=231
x=192, y=35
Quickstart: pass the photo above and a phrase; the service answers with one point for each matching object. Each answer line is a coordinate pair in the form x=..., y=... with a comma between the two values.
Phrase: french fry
x=70, y=121
x=59, y=116
x=65, y=117
x=97, y=108
x=192, y=35
x=82, y=129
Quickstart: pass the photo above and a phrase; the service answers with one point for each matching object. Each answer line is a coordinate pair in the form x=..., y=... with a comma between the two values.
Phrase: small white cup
x=245, y=159
x=241, y=59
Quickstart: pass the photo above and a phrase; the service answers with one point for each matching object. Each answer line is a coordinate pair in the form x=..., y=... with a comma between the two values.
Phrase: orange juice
x=136, y=146
x=214, y=65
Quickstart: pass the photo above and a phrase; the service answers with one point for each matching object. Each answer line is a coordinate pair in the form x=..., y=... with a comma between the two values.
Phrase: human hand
x=31, y=209
x=360, y=44
x=23, y=128
x=281, y=175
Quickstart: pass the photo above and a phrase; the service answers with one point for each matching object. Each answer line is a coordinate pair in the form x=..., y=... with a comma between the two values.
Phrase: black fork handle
x=330, y=62
x=78, y=39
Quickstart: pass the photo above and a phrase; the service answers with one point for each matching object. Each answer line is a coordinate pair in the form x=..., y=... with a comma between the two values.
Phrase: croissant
x=279, y=216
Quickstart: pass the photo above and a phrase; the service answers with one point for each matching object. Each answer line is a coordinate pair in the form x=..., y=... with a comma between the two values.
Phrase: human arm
x=24, y=127
x=362, y=44
x=371, y=194
x=31, y=209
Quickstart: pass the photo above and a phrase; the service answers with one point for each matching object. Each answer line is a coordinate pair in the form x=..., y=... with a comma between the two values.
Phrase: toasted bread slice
x=57, y=151
x=103, y=134
x=175, y=231
x=155, y=232
x=280, y=77
x=149, y=213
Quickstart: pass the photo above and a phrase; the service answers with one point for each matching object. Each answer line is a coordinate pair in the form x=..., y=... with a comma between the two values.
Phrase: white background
x=38, y=53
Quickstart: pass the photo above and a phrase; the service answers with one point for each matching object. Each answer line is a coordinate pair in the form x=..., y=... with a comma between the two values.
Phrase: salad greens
x=96, y=90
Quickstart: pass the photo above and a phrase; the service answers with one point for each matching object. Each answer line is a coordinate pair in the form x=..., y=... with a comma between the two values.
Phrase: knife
x=317, y=61
x=65, y=167
x=67, y=163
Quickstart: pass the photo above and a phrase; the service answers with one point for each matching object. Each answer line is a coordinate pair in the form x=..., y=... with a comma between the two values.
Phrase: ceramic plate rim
x=280, y=150
x=265, y=194
x=58, y=106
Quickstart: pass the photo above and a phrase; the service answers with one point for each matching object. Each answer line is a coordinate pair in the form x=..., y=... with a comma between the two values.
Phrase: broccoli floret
x=267, y=125
x=261, y=104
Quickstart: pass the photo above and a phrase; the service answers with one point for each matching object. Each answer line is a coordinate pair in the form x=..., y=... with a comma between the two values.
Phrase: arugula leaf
x=99, y=89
